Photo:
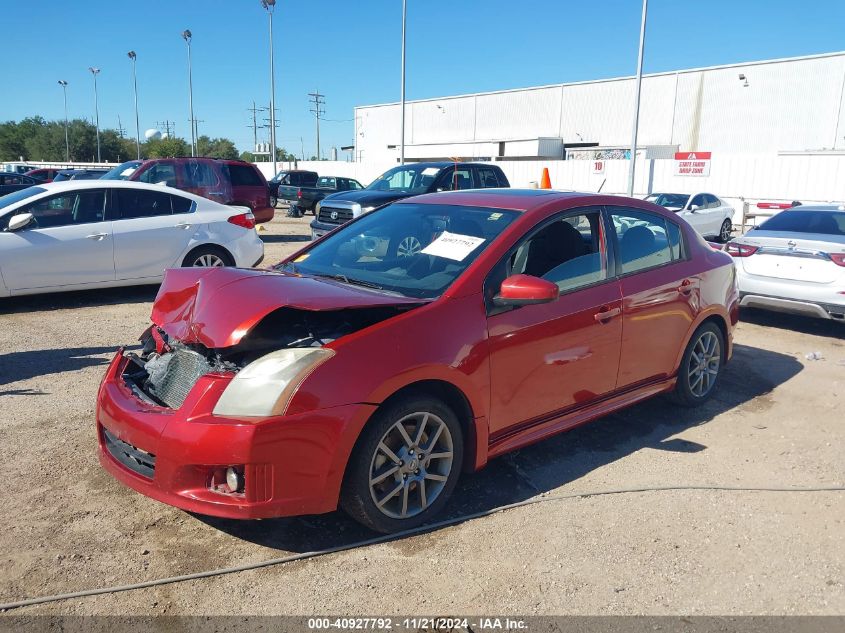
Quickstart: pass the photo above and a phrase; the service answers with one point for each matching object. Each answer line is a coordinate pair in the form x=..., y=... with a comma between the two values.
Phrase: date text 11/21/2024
x=417, y=623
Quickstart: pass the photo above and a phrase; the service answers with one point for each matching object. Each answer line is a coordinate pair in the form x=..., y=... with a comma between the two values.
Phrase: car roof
x=511, y=199
x=816, y=207
x=73, y=185
x=445, y=163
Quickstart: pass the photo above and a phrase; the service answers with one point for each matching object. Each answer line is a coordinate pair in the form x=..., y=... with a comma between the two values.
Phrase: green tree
x=216, y=147
x=165, y=148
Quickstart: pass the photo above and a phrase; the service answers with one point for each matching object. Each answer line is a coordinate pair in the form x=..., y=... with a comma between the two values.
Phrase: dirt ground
x=777, y=420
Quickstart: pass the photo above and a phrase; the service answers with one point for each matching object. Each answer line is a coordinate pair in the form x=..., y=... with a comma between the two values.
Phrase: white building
x=768, y=107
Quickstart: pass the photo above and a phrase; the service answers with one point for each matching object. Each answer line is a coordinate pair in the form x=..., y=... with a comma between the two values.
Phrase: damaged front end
x=285, y=345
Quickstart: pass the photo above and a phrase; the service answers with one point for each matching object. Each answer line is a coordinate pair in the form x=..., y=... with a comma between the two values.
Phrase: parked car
x=122, y=171
x=290, y=178
x=16, y=168
x=303, y=199
x=10, y=181
x=794, y=262
x=403, y=182
x=351, y=376
x=707, y=214
x=92, y=233
x=43, y=174
x=79, y=174
x=231, y=182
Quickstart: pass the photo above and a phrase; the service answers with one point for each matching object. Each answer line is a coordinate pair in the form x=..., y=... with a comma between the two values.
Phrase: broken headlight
x=265, y=386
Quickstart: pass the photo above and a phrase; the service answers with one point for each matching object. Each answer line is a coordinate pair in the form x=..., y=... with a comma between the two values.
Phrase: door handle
x=217, y=193
x=97, y=236
x=605, y=314
x=686, y=287
x=182, y=225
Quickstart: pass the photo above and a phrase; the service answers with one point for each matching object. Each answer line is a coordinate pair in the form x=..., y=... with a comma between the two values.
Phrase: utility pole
x=402, y=96
x=121, y=131
x=63, y=84
x=317, y=100
x=632, y=166
x=254, y=111
x=169, y=127
x=94, y=73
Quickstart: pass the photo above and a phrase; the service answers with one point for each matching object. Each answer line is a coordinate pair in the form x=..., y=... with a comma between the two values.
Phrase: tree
x=216, y=147
x=166, y=148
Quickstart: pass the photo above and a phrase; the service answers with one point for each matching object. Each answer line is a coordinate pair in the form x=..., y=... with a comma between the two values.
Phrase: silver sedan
x=794, y=262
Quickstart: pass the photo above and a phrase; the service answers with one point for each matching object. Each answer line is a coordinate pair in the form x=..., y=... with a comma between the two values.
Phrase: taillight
x=739, y=250
x=299, y=193
x=838, y=258
x=246, y=220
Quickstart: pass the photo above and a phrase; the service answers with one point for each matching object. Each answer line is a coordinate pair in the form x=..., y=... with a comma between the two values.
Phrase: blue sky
x=349, y=49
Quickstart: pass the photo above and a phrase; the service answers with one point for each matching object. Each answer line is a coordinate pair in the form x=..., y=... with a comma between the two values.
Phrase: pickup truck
x=290, y=177
x=302, y=199
x=400, y=182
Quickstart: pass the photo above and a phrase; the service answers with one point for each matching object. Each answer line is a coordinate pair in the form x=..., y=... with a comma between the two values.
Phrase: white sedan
x=706, y=213
x=794, y=262
x=83, y=234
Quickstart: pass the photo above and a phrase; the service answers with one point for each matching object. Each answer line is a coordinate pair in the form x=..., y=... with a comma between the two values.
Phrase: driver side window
x=80, y=207
x=567, y=252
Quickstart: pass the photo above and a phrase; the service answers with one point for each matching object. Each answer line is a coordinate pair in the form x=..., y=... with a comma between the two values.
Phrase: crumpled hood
x=218, y=306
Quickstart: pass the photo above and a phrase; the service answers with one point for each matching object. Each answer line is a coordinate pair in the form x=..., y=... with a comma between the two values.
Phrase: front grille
x=340, y=215
x=134, y=459
x=173, y=375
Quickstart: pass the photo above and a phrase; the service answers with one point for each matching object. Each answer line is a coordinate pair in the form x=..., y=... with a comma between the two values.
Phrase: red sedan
x=362, y=374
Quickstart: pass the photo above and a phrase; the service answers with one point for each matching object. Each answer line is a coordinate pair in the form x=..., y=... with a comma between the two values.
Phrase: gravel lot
x=777, y=421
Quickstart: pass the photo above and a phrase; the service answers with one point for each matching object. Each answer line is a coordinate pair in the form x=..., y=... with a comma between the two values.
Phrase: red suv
x=232, y=182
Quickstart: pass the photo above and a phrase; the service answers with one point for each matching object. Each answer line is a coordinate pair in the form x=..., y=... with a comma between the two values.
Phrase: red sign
x=598, y=166
x=692, y=163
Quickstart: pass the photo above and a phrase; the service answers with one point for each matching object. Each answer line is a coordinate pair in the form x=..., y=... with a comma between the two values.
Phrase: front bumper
x=292, y=465
x=319, y=229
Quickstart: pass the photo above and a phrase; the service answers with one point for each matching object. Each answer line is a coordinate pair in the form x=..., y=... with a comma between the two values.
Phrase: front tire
x=701, y=367
x=404, y=466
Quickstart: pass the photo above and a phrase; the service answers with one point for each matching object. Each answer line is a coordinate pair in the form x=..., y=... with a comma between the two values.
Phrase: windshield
x=122, y=171
x=406, y=179
x=669, y=200
x=20, y=194
x=805, y=221
x=416, y=250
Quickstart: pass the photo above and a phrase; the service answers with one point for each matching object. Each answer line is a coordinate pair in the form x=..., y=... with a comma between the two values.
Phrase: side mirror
x=20, y=221
x=520, y=290
x=694, y=208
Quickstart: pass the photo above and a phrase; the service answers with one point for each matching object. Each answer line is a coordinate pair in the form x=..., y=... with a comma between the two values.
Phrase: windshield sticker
x=301, y=258
x=453, y=246
x=494, y=216
x=430, y=171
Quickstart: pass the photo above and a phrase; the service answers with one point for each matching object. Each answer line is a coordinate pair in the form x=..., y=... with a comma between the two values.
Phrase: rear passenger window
x=135, y=203
x=487, y=178
x=199, y=174
x=180, y=204
x=645, y=240
x=244, y=176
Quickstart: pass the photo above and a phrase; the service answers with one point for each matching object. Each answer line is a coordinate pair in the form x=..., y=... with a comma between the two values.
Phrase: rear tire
x=725, y=231
x=295, y=212
x=404, y=466
x=208, y=257
x=701, y=367
x=273, y=201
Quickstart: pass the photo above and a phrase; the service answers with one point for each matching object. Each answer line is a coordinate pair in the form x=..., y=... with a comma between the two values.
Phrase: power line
x=317, y=101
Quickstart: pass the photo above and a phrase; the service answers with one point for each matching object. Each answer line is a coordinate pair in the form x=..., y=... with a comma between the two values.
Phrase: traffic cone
x=545, y=181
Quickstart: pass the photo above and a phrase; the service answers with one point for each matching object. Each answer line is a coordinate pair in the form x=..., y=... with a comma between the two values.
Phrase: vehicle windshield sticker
x=453, y=246
x=494, y=216
x=430, y=171
x=301, y=258
x=128, y=171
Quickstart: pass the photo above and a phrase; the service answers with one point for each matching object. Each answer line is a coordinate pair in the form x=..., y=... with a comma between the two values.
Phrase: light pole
x=63, y=84
x=94, y=73
x=270, y=5
x=187, y=35
x=633, y=164
x=402, y=133
x=132, y=56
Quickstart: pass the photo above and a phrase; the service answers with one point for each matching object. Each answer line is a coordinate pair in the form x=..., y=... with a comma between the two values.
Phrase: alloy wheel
x=411, y=465
x=209, y=260
x=725, y=233
x=704, y=364
x=408, y=246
